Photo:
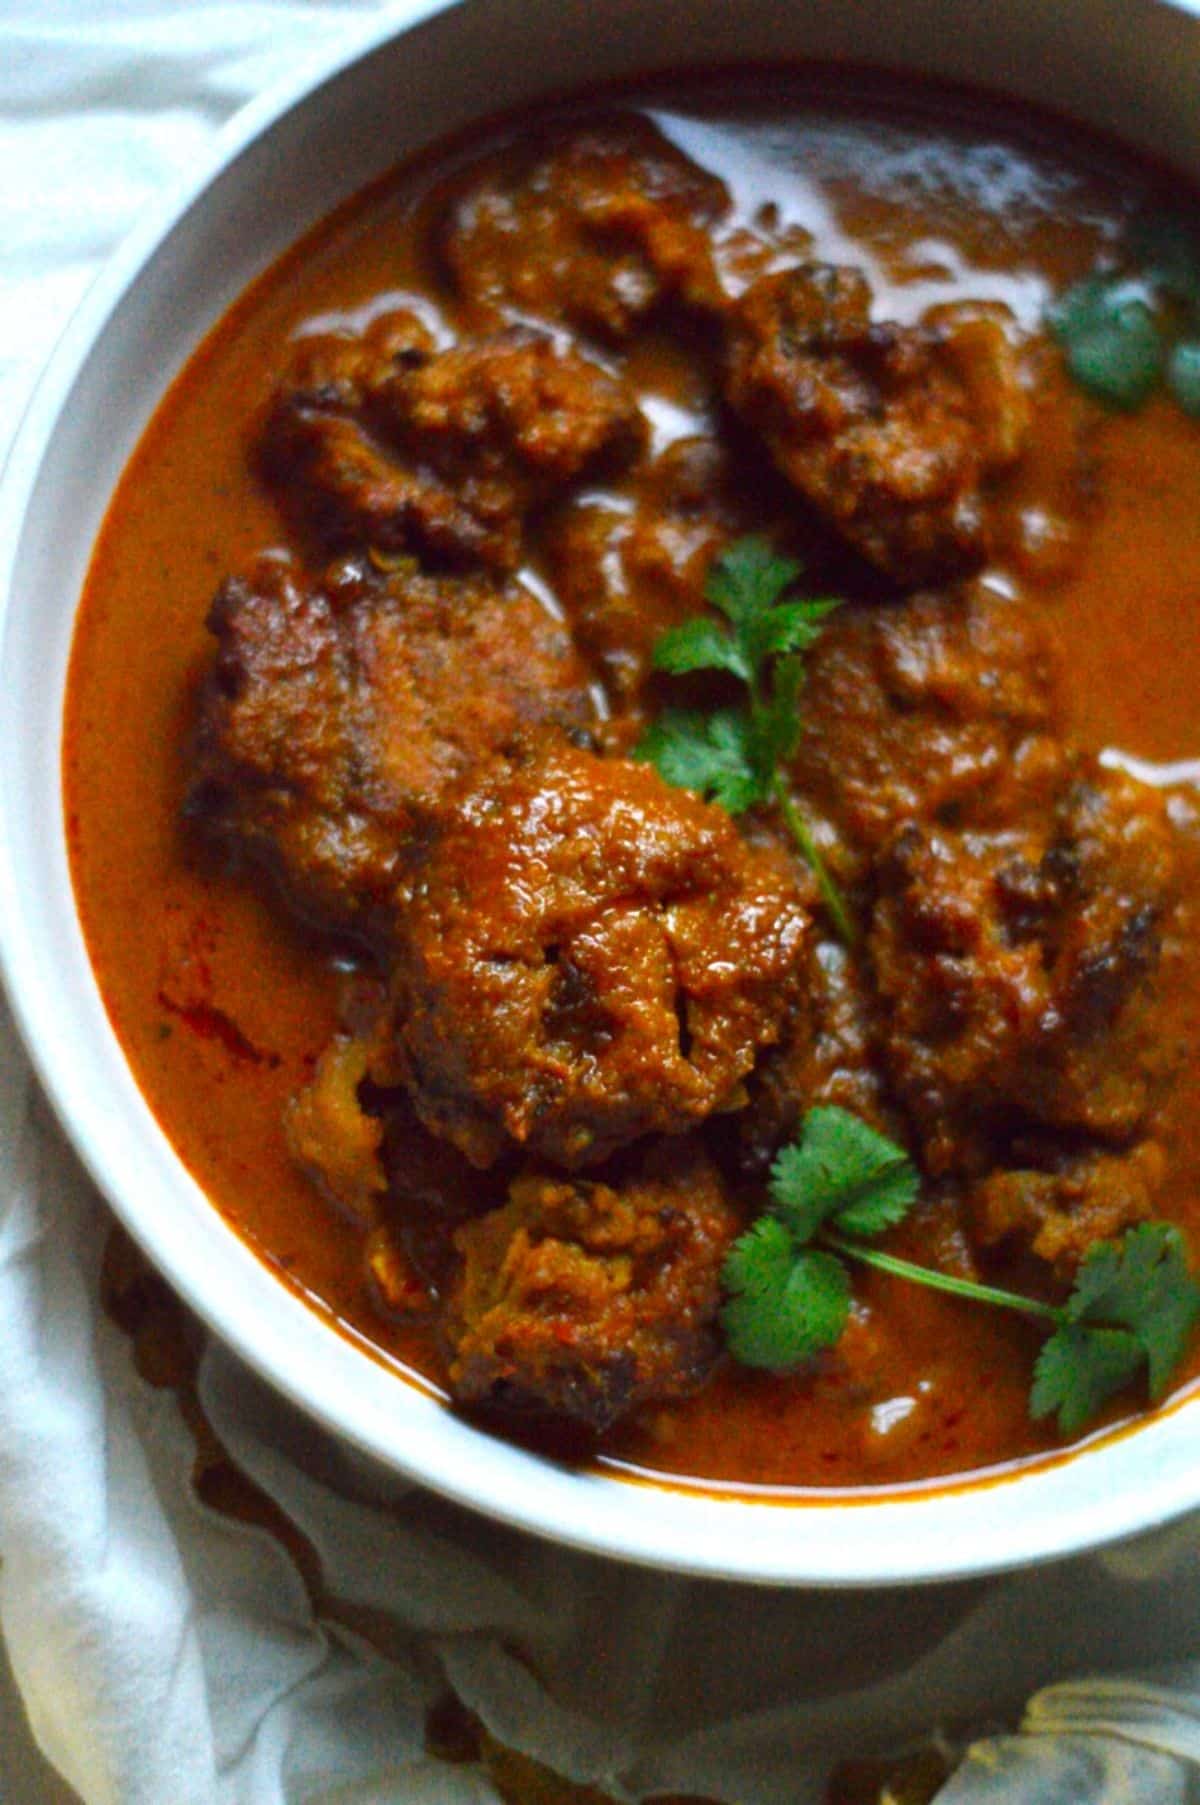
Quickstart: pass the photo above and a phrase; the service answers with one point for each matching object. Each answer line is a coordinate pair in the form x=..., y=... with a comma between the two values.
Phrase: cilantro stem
x=799, y=829
x=942, y=1281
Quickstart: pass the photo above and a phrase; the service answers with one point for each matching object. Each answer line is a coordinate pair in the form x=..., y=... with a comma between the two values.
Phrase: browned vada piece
x=827, y=1054
x=332, y=1138
x=891, y=432
x=1020, y=975
x=1058, y=1211
x=585, y=956
x=583, y=1298
x=334, y=709
x=626, y=571
x=596, y=226
x=944, y=708
x=383, y=441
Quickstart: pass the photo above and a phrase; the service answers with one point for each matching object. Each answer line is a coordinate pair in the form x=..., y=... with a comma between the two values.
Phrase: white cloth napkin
x=163, y=1655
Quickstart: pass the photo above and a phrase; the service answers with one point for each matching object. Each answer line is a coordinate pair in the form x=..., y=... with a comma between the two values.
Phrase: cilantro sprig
x=736, y=755
x=1124, y=330
x=1133, y=1305
x=841, y=1184
x=788, y=1300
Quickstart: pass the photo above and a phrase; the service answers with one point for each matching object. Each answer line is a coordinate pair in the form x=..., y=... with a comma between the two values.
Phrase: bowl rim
x=963, y=1528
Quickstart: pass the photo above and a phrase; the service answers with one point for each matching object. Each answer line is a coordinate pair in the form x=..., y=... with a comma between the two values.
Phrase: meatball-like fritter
x=939, y=709
x=332, y=711
x=1060, y=1210
x=827, y=1054
x=432, y=1190
x=382, y=441
x=594, y=226
x=1018, y=973
x=583, y=1298
x=331, y=1137
x=585, y=956
x=626, y=574
x=891, y=432
x=356, y=1136
x=343, y=370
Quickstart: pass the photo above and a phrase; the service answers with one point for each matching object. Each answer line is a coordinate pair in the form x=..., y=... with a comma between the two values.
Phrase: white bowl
x=1130, y=66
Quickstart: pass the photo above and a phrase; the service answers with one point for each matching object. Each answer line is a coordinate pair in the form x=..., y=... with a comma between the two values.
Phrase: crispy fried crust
x=891, y=432
x=587, y=956
x=584, y=1298
x=379, y=440
x=597, y=227
x=335, y=710
x=943, y=709
x=1018, y=973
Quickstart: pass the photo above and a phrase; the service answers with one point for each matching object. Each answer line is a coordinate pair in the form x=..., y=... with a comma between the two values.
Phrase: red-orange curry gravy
x=223, y=1001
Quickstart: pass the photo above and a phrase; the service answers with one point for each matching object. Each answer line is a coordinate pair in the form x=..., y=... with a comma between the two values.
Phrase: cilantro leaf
x=1145, y=1286
x=735, y=756
x=1078, y=1370
x=709, y=753
x=748, y=584
x=788, y=1300
x=783, y=1306
x=1134, y=1307
x=701, y=645
x=746, y=581
x=1183, y=375
x=789, y=627
x=1111, y=339
x=1121, y=329
x=844, y=1171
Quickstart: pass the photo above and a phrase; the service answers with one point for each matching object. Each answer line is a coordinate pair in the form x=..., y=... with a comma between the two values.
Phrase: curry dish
x=483, y=1021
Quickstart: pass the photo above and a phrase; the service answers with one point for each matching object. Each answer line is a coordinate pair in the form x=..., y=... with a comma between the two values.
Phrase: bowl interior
x=276, y=170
